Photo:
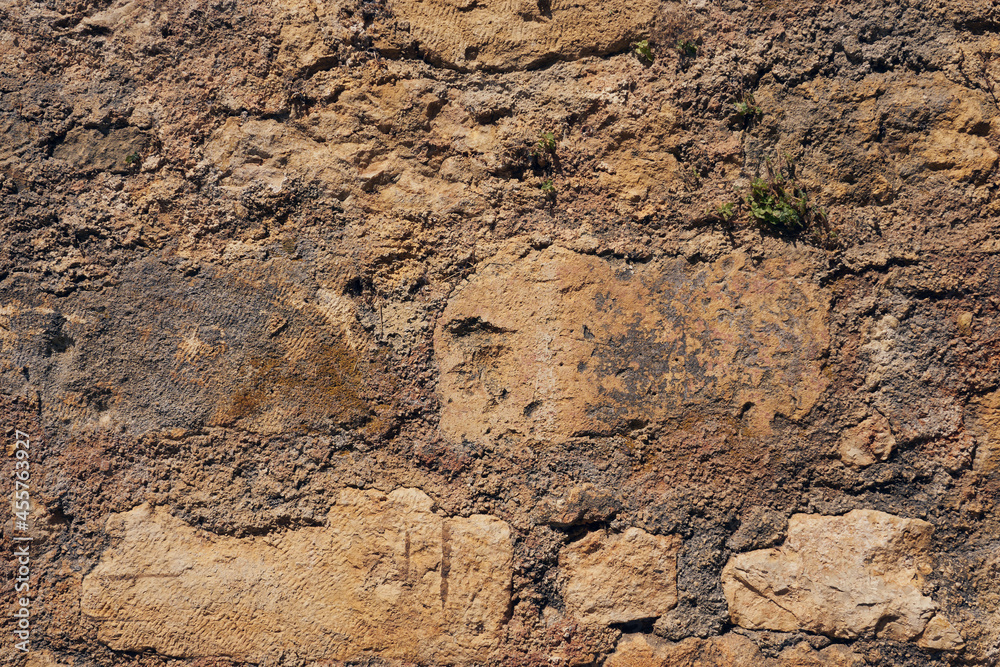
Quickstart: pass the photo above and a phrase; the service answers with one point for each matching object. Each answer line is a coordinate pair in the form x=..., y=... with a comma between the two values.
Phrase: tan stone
x=553, y=344
x=730, y=650
x=620, y=578
x=842, y=576
x=804, y=655
x=868, y=442
x=985, y=425
x=650, y=651
x=519, y=34
x=583, y=504
x=940, y=635
x=963, y=157
x=43, y=659
x=386, y=576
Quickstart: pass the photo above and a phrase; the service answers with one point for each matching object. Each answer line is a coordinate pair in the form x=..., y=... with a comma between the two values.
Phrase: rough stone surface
x=868, y=442
x=730, y=650
x=514, y=34
x=581, y=505
x=384, y=576
x=256, y=252
x=843, y=577
x=620, y=578
x=559, y=344
x=985, y=414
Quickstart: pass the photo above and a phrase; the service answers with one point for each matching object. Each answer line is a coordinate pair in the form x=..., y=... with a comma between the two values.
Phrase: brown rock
x=842, y=576
x=730, y=650
x=868, y=442
x=650, y=651
x=555, y=344
x=43, y=659
x=386, y=575
x=985, y=424
x=118, y=151
x=581, y=505
x=496, y=35
x=940, y=635
x=620, y=578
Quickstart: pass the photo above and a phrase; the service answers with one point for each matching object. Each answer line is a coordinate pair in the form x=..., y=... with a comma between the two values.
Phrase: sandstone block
x=581, y=505
x=842, y=576
x=620, y=578
x=385, y=576
x=730, y=650
x=984, y=423
x=555, y=344
x=504, y=35
x=868, y=442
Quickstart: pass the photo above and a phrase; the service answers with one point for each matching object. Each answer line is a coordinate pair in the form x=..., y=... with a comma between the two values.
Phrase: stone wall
x=453, y=332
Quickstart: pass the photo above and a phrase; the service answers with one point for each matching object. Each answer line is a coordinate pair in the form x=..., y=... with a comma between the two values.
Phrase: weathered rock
x=581, y=505
x=557, y=344
x=231, y=230
x=117, y=151
x=620, y=578
x=940, y=635
x=240, y=348
x=868, y=442
x=499, y=35
x=844, y=576
x=44, y=659
x=729, y=650
x=986, y=425
x=386, y=576
x=759, y=528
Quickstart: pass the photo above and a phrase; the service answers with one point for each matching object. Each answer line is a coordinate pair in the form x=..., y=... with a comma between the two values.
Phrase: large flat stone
x=842, y=576
x=554, y=344
x=729, y=650
x=385, y=576
x=620, y=578
x=507, y=35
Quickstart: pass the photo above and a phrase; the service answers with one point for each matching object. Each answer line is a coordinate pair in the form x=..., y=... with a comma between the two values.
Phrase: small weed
x=747, y=107
x=777, y=201
x=687, y=48
x=780, y=202
x=691, y=178
x=132, y=158
x=548, y=188
x=725, y=212
x=643, y=50
x=546, y=142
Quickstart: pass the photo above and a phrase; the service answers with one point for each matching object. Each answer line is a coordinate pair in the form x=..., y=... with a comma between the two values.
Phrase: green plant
x=687, y=48
x=780, y=202
x=691, y=178
x=725, y=212
x=132, y=158
x=643, y=50
x=546, y=142
x=747, y=107
x=548, y=188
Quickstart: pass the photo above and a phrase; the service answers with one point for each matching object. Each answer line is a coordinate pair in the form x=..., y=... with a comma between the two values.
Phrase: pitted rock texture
x=868, y=442
x=385, y=576
x=730, y=650
x=844, y=577
x=558, y=344
x=259, y=347
x=255, y=252
x=620, y=578
x=520, y=34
